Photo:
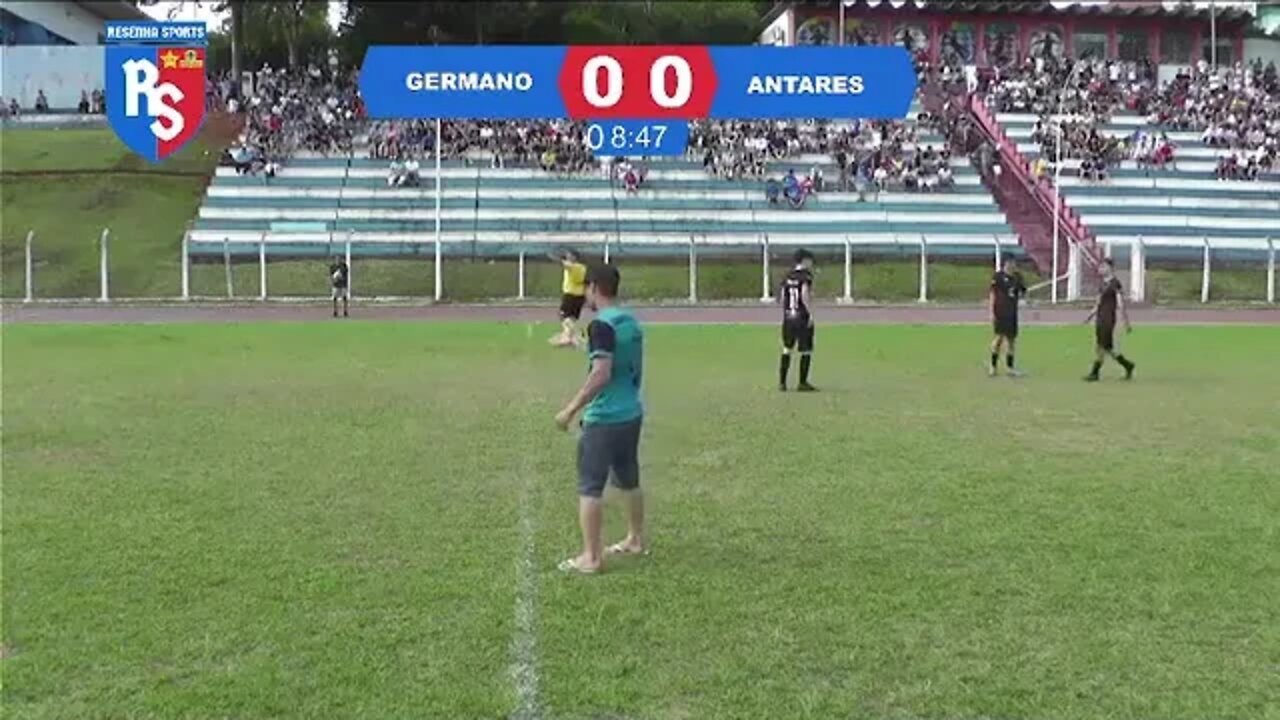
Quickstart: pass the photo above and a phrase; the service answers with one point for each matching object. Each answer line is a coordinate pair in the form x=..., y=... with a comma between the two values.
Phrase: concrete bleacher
x=1174, y=212
x=316, y=205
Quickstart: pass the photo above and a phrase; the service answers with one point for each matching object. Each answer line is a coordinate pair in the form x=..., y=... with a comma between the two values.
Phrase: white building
x=56, y=47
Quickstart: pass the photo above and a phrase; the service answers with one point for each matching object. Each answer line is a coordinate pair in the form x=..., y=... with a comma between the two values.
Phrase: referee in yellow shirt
x=574, y=289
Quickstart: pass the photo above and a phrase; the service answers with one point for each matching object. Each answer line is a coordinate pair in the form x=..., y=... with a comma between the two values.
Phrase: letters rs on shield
x=155, y=90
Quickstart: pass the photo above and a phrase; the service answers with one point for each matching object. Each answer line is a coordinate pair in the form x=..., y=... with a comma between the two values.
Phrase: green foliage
x=279, y=32
x=727, y=22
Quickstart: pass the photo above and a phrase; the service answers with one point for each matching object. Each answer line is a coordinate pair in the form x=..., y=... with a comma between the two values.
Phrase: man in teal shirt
x=611, y=418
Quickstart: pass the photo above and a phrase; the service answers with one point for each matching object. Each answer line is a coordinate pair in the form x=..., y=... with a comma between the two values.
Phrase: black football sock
x=805, y=362
x=1008, y=360
x=1097, y=367
x=1124, y=362
x=995, y=360
x=784, y=367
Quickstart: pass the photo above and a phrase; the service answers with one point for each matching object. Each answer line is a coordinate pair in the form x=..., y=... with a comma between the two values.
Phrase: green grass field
x=148, y=212
x=329, y=520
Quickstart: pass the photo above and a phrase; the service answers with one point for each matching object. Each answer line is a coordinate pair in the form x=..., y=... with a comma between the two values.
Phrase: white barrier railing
x=1138, y=248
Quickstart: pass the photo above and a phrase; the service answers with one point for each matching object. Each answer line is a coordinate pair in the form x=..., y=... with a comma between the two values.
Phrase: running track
x=763, y=314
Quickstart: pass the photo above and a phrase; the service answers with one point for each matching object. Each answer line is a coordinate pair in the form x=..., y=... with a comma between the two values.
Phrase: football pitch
x=362, y=520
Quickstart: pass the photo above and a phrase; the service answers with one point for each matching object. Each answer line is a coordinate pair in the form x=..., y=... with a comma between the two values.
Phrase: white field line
x=524, y=644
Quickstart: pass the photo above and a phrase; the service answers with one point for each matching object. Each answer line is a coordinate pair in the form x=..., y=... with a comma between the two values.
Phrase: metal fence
x=509, y=261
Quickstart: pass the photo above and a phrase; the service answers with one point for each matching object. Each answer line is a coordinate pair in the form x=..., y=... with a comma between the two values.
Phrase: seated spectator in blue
x=772, y=191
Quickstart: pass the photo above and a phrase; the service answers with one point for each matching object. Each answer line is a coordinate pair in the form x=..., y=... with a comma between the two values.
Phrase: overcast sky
x=200, y=11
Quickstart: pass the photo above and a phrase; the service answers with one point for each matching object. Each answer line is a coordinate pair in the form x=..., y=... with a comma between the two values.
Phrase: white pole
x=1213, y=36
x=1073, y=272
x=693, y=271
x=1204, y=282
x=350, y=283
x=606, y=249
x=996, y=238
x=102, y=262
x=439, y=285
x=520, y=272
x=924, y=269
x=766, y=293
x=848, y=265
x=841, y=29
x=1057, y=207
x=1271, y=270
x=226, y=265
x=1138, y=271
x=31, y=234
x=186, y=264
x=262, y=267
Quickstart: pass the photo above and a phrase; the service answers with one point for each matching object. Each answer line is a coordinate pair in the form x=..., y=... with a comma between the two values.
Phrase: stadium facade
x=992, y=32
x=55, y=47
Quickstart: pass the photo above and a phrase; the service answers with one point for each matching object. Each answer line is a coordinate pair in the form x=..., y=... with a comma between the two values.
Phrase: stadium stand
x=315, y=204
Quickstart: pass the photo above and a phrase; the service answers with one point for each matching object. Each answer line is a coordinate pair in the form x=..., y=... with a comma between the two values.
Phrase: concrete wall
x=1265, y=48
x=66, y=19
x=61, y=71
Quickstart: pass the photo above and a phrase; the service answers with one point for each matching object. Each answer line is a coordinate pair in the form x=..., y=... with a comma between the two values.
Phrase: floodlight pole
x=1057, y=183
x=439, y=287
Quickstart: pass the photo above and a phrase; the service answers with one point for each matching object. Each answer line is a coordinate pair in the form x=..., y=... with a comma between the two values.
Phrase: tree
x=236, y=8
x=261, y=27
x=534, y=22
x=294, y=25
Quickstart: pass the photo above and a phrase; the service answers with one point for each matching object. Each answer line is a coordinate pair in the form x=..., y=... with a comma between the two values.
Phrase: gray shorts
x=605, y=448
x=339, y=292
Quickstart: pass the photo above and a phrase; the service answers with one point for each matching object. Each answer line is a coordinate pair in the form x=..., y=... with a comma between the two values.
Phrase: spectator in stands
x=14, y=109
x=99, y=102
x=42, y=102
x=83, y=107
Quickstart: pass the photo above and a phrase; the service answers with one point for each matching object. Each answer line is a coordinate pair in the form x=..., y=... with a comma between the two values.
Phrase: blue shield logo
x=155, y=96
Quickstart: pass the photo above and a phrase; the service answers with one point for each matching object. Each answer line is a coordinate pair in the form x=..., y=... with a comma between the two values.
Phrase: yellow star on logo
x=170, y=60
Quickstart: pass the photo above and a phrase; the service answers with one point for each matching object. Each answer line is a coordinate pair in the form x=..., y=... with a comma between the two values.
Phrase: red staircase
x=1028, y=203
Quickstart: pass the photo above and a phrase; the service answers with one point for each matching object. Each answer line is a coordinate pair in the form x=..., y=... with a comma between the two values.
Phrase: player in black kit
x=1109, y=299
x=339, y=276
x=1006, y=290
x=797, y=320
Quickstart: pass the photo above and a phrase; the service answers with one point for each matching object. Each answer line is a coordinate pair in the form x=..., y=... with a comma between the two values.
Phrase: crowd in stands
x=1236, y=109
x=874, y=154
x=556, y=145
x=289, y=110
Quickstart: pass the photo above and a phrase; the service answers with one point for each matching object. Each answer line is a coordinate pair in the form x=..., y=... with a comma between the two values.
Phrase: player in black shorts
x=1006, y=290
x=339, y=284
x=1109, y=299
x=797, y=320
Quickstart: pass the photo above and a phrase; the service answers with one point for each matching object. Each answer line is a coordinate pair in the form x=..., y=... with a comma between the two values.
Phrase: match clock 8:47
x=651, y=138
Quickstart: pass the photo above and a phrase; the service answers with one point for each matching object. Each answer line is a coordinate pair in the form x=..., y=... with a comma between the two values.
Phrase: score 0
x=637, y=82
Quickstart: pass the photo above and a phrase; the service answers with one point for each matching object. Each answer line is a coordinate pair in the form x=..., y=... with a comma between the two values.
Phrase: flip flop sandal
x=571, y=566
x=622, y=549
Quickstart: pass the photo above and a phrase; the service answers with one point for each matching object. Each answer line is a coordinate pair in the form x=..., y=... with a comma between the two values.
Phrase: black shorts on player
x=571, y=306
x=1005, y=291
x=1006, y=326
x=797, y=320
x=1110, y=304
x=797, y=335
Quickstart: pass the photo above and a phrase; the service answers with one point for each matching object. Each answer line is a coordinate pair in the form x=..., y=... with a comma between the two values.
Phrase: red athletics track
x=125, y=313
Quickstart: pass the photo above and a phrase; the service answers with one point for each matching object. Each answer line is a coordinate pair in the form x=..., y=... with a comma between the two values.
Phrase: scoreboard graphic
x=638, y=99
